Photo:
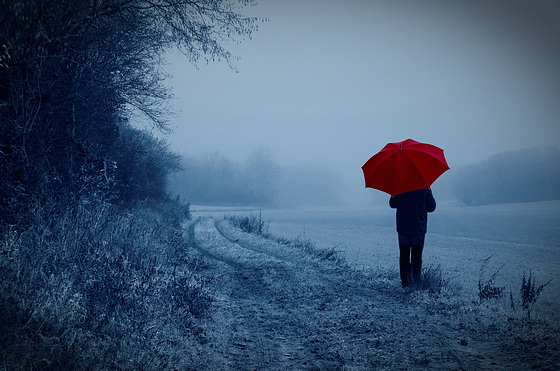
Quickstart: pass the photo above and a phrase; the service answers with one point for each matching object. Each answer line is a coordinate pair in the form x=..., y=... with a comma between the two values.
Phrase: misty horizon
x=524, y=175
x=330, y=84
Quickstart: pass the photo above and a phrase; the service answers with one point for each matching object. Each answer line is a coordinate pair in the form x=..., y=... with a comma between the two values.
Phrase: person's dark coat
x=412, y=210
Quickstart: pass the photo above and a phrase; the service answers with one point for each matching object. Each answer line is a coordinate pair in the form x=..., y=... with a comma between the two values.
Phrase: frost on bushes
x=487, y=288
x=529, y=294
x=250, y=224
x=97, y=286
x=432, y=280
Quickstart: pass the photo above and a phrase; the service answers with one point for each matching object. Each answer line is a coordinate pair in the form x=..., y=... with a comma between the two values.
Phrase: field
x=282, y=308
x=312, y=289
x=518, y=238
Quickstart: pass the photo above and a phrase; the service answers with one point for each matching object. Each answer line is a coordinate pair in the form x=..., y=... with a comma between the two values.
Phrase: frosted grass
x=520, y=237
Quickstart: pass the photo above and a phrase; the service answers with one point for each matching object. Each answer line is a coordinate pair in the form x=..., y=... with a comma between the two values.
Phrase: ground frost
x=280, y=308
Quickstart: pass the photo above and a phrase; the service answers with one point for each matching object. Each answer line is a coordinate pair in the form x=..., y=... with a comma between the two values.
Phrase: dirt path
x=277, y=308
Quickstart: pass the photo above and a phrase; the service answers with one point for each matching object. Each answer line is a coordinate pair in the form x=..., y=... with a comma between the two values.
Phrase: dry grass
x=96, y=288
x=251, y=224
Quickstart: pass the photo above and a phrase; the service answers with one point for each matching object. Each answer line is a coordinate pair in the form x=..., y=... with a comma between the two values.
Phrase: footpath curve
x=278, y=308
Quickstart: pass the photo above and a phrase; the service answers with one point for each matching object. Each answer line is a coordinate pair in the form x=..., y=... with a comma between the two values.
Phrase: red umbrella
x=404, y=166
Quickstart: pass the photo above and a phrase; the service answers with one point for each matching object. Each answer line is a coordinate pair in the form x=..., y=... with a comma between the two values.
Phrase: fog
x=329, y=83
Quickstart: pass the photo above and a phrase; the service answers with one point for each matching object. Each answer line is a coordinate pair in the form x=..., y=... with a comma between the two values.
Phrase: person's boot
x=405, y=273
x=416, y=267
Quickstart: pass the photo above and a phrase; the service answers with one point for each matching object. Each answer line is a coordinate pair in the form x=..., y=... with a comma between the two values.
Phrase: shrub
x=529, y=294
x=486, y=286
x=432, y=280
x=251, y=224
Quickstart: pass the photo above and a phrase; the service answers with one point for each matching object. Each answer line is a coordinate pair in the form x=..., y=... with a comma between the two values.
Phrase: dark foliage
x=142, y=165
x=72, y=73
x=95, y=271
x=250, y=224
x=529, y=294
x=487, y=288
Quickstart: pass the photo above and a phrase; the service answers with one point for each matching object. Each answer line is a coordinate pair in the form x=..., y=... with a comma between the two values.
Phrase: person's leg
x=417, y=246
x=404, y=259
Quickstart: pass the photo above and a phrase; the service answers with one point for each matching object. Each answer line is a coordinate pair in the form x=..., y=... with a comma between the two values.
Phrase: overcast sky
x=332, y=82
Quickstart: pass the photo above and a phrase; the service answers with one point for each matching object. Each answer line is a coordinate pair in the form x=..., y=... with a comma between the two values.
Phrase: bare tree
x=73, y=72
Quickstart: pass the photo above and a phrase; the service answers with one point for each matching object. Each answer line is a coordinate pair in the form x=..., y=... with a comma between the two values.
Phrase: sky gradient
x=331, y=82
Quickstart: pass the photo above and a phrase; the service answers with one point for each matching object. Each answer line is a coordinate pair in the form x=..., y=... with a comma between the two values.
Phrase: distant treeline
x=516, y=176
x=214, y=179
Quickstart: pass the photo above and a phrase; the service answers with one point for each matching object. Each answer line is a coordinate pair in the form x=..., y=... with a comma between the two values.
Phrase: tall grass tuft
x=330, y=254
x=251, y=224
x=255, y=224
x=529, y=294
x=432, y=280
x=487, y=288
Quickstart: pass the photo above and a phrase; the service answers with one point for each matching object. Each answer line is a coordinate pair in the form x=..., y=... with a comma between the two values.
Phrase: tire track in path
x=277, y=308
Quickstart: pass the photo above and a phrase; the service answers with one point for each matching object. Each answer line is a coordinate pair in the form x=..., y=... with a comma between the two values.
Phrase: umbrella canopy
x=404, y=166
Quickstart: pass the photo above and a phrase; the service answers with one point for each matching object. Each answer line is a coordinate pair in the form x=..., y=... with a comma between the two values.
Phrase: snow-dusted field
x=521, y=237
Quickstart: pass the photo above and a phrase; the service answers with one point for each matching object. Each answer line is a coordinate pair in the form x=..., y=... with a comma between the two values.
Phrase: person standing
x=412, y=221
